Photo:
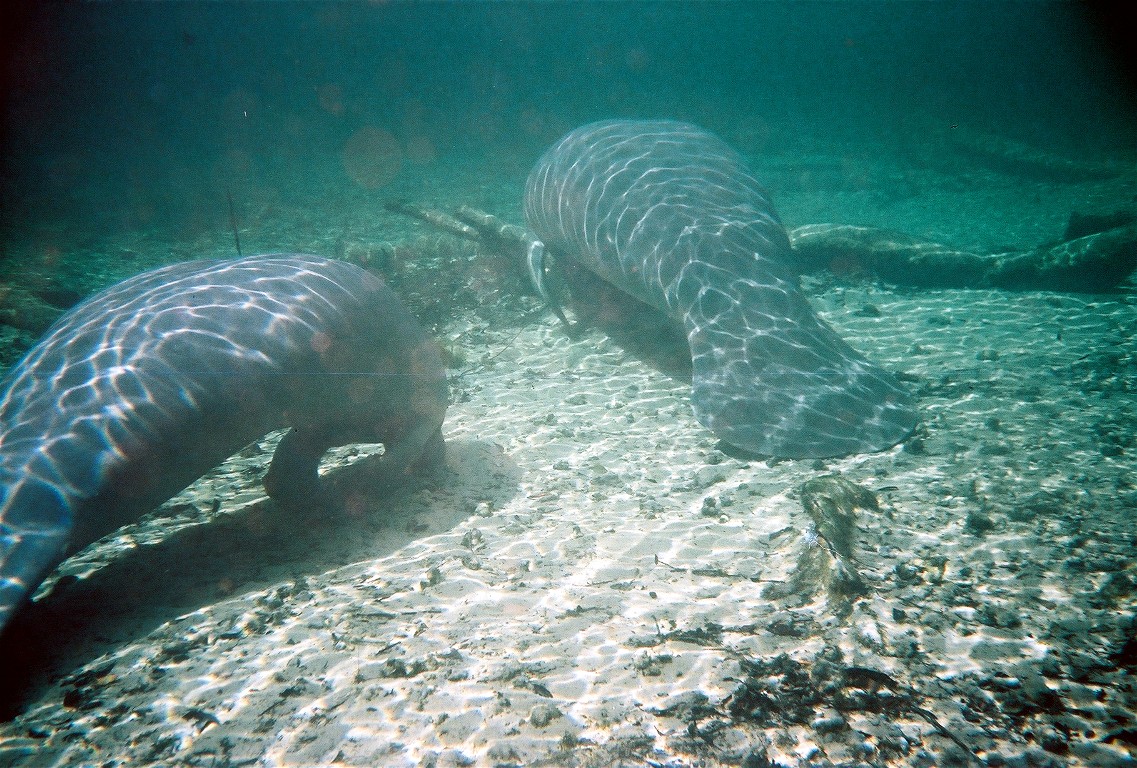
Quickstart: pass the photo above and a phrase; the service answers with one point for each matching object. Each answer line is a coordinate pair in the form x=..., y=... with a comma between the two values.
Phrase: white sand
x=528, y=609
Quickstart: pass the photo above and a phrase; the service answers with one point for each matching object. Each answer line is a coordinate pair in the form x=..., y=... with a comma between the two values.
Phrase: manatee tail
x=771, y=378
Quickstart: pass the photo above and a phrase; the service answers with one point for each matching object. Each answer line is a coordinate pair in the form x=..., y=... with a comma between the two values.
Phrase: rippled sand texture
x=586, y=585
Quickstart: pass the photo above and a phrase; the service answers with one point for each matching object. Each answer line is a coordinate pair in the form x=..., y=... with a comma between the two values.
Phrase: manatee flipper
x=403, y=463
x=535, y=260
x=293, y=476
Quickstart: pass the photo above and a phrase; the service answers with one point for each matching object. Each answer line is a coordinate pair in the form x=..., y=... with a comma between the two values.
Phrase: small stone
x=977, y=524
x=1053, y=741
x=830, y=723
x=906, y=573
x=1116, y=587
x=543, y=714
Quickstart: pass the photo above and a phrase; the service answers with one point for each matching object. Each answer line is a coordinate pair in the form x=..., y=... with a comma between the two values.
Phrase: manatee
x=670, y=214
x=143, y=388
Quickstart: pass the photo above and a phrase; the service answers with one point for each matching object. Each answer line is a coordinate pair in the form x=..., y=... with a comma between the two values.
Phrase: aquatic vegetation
x=827, y=560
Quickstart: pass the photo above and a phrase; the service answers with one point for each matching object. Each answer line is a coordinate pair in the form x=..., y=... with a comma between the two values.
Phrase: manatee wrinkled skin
x=143, y=388
x=670, y=214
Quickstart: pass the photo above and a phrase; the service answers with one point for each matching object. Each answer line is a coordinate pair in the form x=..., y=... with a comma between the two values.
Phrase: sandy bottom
x=593, y=582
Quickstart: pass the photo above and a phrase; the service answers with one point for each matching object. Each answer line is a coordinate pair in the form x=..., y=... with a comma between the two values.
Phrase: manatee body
x=672, y=215
x=146, y=386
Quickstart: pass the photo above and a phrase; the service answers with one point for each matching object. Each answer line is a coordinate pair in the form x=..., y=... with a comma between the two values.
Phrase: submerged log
x=23, y=309
x=1092, y=263
x=1089, y=263
x=1017, y=158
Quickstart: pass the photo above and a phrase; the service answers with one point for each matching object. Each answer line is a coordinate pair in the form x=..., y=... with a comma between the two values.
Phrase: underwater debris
x=233, y=222
x=1096, y=252
x=23, y=309
x=1090, y=263
x=827, y=560
x=783, y=691
x=439, y=219
x=1017, y=158
x=1081, y=225
x=832, y=502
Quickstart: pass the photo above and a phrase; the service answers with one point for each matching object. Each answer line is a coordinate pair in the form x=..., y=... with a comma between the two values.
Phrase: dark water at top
x=124, y=115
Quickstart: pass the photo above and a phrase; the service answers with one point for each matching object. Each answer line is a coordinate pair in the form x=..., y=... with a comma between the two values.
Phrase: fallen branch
x=1096, y=262
x=1090, y=263
x=1024, y=160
